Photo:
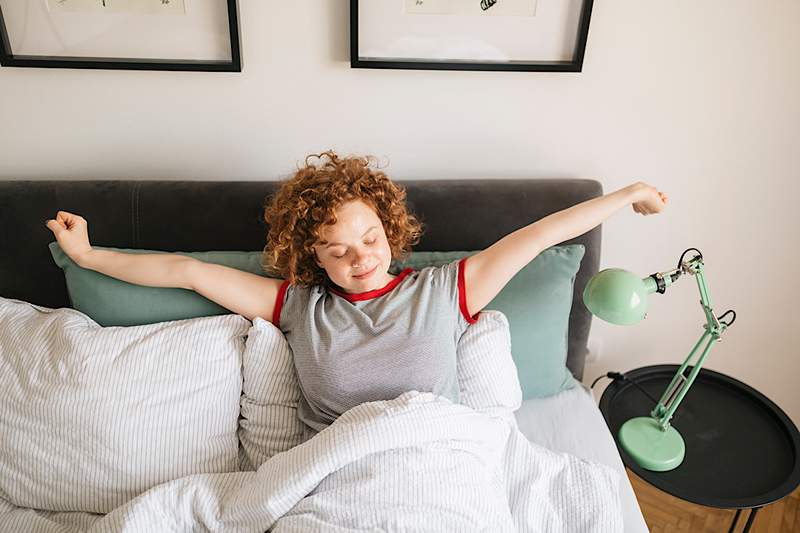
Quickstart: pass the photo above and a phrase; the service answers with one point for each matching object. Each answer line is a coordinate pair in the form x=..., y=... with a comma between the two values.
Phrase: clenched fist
x=648, y=199
x=72, y=234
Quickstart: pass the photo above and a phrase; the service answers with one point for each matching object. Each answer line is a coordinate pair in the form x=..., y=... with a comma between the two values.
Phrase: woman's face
x=354, y=251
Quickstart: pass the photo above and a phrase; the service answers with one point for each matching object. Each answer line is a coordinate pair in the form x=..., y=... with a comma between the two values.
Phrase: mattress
x=571, y=422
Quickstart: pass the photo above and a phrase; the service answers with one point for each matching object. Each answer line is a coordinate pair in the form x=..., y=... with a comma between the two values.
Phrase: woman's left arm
x=488, y=271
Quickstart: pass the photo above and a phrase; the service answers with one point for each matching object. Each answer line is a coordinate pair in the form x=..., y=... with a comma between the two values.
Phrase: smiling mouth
x=365, y=274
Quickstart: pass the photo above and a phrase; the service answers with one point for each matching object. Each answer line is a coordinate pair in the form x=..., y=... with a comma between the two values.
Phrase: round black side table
x=741, y=448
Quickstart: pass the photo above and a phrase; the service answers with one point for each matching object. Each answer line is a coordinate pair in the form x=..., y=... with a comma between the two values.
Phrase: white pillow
x=487, y=375
x=270, y=394
x=91, y=417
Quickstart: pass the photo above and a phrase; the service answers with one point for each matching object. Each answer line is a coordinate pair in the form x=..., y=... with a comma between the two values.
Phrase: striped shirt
x=354, y=348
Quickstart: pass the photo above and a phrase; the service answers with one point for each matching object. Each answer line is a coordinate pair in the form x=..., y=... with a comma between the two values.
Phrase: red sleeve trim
x=276, y=311
x=462, y=293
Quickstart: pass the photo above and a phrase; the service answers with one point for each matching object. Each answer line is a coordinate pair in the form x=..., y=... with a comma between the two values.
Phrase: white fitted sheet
x=571, y=422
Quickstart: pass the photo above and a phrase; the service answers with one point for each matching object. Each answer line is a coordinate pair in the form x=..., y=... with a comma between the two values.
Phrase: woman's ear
x=317, y=261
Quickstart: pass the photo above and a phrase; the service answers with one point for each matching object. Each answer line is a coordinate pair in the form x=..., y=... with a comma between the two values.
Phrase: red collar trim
x=359, y=296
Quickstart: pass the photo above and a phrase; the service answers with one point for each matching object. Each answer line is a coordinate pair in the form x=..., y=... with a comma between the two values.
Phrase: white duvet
x=415, y=463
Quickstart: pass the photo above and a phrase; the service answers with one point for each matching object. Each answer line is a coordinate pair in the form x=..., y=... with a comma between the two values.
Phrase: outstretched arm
x=487, y=272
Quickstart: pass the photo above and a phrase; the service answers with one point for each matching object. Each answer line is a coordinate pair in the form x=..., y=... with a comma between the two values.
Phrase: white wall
x=701, y=99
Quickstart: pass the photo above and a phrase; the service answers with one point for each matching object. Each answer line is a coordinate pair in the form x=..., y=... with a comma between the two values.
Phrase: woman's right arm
x=244, y=293
x=154, y=270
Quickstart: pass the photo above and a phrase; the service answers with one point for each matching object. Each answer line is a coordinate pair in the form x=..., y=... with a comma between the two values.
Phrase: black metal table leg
x=735, y=520
x=750, y=519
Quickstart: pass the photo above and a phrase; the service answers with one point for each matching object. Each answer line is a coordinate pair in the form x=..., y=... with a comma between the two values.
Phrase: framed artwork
x=524, y=35
x=121, y=34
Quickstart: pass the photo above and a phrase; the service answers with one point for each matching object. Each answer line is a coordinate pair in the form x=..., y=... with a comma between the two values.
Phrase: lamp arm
x=714, y=328
x=680, y=383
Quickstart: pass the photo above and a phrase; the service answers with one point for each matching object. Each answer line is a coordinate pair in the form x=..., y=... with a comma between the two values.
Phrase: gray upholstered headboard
x=226, y=215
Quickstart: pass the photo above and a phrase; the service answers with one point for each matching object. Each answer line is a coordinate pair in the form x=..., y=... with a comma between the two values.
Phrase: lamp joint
x=661, y=285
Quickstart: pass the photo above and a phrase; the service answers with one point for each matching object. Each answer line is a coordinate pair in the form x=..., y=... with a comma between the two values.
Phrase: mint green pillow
x=537, y=302
x=112, y=302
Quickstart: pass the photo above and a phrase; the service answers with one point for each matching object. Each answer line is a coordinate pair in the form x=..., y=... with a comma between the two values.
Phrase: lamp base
x=651, y=447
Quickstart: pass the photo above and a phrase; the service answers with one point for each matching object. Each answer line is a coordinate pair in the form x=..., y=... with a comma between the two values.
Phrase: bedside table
x=741, y=448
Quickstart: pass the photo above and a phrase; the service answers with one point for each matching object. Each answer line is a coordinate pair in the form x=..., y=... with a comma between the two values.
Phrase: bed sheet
x=571, y=422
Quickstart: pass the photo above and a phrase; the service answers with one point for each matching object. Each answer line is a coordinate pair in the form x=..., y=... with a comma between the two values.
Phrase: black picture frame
x=573, y=65
x=9, y=59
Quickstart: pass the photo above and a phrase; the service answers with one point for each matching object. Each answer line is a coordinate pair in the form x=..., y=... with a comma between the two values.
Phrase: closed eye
x=368, y=243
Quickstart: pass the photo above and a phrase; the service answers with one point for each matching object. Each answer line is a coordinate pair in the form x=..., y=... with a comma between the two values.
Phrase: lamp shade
x=617, y=296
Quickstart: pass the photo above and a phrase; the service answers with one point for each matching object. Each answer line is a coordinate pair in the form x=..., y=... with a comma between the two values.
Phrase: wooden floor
x=667, y=514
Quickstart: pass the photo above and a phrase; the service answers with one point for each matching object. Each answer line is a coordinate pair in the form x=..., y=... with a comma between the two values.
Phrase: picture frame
x=176, y=35
x=521, y=35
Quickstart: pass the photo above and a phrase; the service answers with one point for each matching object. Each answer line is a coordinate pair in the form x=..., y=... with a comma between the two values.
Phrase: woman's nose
x=359, y=257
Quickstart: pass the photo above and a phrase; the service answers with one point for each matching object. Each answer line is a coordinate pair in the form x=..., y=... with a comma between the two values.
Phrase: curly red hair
x=308, y=201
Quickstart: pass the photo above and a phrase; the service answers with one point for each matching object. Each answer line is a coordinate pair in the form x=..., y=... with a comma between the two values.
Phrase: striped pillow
x=487, y=375
x=91, y=417
x=270, y=394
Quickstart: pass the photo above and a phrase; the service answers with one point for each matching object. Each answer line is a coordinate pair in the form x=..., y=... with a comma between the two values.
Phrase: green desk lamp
x=620, y=297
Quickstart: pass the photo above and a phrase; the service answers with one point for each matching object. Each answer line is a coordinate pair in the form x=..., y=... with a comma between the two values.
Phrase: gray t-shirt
x=355, y=348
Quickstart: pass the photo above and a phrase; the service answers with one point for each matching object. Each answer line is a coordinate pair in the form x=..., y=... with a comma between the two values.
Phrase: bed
x=226, y=215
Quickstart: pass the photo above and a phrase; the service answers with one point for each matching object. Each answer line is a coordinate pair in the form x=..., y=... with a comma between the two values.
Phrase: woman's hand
x=72, y=234
x=647, y=199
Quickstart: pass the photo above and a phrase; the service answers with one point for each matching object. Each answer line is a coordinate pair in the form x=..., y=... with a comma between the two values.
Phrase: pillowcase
x=270, y=393
x=537, y=302
x=487, y=375
x=91, y=417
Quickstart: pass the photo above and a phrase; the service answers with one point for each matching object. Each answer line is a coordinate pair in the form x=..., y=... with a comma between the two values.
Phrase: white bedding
x=91, y=417
x=571, y=422
x=417, y=462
